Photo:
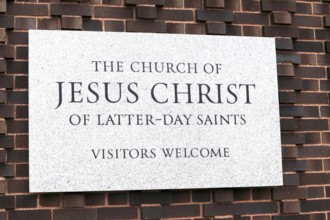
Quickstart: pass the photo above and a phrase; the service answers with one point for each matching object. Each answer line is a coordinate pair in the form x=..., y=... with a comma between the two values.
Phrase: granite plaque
x=137, y=111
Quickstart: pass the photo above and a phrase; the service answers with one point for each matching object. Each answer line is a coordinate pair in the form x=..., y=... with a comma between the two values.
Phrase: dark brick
x=327, y=47
x=291, y=111
x=22, y=52
x=73, y=200
x=92, y=25
x=18, y=186
x=290, y=83
x=288, y=58
x=223, y=195
x=14, y=67
x=175, y=15
x=146, y=26
x=302, y=165
x=72, y=22
x=3, y=126
x=290, y=207
x=288, y=125
x=252, y=31
x=110, y=2
x=49, y=200
x=21, y=141
x=6, y=51
x=306, y=34
x=289, y=152
x=117, y=213
x=315, y=192
x=94, y=199
x=138, y=198
x=312, y=124
x=21, y=82
x=7, y=202
x=17, y=126
x=300, y=217
x=304, y=8
x=321, y=9
x=178, y=211
x=27, y=9
x=285, y=69
x=7, y=111
x=261, y=194
x=148, y=2
x=3, y=6
x=25, y=23
x=193, y=3
x=71, y=9
x=314, y=151
x=289, y=193
x=6, y=141
x=255, y=208
x=201, y=196
x=284, y=44
x=308, y=59
x=3, y=157
x=17, y=37
x=173, y=3
x=311, y=85
x=215, y=3
x=3, y=35
x=174, y=28
x=146, y=12
x=315, y=205
x=114, y=26
x=234, y=5
x=274, y=5
x=113, y=12
x=181, y=196
x=251, y=5
x=323, y=59
x=310, y=72
x=322, y=34
x=7, y=170
x=3, y=97
x=251, y=18
x=306, y=21
x=292, y=138
x=215, y=28
x=22, y=170
x=48, y=24
x=281, y=31
x=290, y=179
x=195, y=28
x=327, y=21
x=242, y=194
x=3, y=187
x=6, y=21
x=325, y=111
x=214, y=15
x=73, y=214
x=30, y=215
x=26, y=201
x=314, y=178
x=217, y=209
x=3, y=65
x=281, y=18
x=16, y=156
x=234, y=30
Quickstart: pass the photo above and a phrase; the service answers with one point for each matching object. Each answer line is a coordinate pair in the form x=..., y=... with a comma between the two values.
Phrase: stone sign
x=136, y=111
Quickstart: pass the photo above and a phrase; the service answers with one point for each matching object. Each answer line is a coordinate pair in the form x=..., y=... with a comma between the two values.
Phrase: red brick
x=193, y=3
x=252, y=31
x=290, y=207
x=234, y=5
x=251, y=5
x=21, y=141
x=72, y=22
x=25, y=23
x=304, y=8
x=321, y=9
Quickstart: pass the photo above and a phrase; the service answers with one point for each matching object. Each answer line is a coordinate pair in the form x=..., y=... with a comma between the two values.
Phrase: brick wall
x=302, y=31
